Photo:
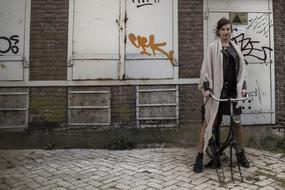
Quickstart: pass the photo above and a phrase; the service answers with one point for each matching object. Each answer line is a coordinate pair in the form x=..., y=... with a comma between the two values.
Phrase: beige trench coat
x=212, y=71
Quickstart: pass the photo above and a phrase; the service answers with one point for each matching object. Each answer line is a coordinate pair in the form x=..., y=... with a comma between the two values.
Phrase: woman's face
x=225, y=32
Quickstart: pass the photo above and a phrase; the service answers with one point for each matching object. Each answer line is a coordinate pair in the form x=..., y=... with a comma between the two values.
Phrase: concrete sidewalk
x=159, y=168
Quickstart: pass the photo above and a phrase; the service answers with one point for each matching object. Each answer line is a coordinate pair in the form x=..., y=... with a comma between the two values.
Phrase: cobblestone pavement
x=159, y=168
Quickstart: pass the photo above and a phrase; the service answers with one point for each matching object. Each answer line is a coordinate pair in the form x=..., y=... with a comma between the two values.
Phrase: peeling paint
x=259, y=92
x=3, y=67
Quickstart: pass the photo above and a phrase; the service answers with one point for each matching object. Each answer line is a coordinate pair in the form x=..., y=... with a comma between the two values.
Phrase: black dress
x=230, y=84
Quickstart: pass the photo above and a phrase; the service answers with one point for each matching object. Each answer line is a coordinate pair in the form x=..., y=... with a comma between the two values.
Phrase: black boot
x=241, y=159
x=198, y=166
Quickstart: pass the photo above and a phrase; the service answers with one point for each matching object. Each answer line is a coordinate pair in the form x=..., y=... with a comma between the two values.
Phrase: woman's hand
x=244, y=92
x=206, y=93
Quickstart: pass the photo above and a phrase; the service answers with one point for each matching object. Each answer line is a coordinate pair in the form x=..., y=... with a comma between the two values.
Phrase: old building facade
x=85, y=73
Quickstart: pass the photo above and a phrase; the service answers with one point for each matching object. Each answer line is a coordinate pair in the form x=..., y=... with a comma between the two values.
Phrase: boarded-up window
x=122, y=39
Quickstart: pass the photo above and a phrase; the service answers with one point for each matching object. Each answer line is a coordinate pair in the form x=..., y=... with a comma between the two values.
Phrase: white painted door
x=95, y=40
x=255, y=38
x=122, y=39
x=150, y=31
x=12, y=39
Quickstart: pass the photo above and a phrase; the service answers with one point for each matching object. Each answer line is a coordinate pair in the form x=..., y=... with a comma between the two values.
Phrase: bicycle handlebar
x=228, y=99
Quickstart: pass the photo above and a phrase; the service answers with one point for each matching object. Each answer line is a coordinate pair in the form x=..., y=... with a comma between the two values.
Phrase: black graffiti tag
x=9, y=44
x=141, y=3
x=260, y=24
x=248, y=48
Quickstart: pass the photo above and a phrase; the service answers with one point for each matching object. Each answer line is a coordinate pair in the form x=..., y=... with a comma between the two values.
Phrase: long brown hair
x=222, y=22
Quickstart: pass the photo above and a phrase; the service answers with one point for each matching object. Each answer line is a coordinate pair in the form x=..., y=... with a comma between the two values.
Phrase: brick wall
x=123, y=106
x=190, y=26
x=49, y=27
x=279, y=45
x=49, y=22
x=48, y=41
x=48, y=46
x=190, y=102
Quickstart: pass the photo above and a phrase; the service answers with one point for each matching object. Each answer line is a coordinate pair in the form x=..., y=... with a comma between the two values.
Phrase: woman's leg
x=238, y=130
x=240, y=155
x=198, y=166
x=202, y=132
x=201, y=138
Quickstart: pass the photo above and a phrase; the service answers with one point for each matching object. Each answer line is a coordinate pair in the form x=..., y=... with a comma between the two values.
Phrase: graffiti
x=260, y=25
x=9, y=44
x=141, y=3
x=143, y=43
x=248, y=48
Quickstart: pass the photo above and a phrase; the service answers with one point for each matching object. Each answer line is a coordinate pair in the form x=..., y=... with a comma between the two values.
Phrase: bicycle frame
x=230, y=141
x=231, y=100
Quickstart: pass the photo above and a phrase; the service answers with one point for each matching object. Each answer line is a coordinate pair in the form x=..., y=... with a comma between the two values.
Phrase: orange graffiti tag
x=143, y=43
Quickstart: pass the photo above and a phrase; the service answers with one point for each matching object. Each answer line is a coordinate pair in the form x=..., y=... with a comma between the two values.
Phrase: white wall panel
x=95, y=28
x=99, y=69
x=12, y=38
x=95, y=39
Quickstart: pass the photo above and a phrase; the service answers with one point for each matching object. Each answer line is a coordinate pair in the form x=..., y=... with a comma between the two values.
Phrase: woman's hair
x=222, y=22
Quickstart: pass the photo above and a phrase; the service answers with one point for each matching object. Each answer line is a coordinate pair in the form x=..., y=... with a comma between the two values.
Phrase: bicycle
x=215, y=150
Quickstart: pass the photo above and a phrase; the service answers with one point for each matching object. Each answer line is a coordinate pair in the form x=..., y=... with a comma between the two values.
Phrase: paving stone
x=47, y=187
x=58, y=188
x=277, y=186
x=263, y=183
x=122, y=186
x=281, y=175
x=4, y=186
x=200, y=181
x=154, y=185
x=159, y=168
x=171, y=182
x=267, y=188
x=141, y=187
x=201, y=186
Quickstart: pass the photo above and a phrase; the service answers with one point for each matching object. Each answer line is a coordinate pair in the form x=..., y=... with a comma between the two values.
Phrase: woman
x=223, y=74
